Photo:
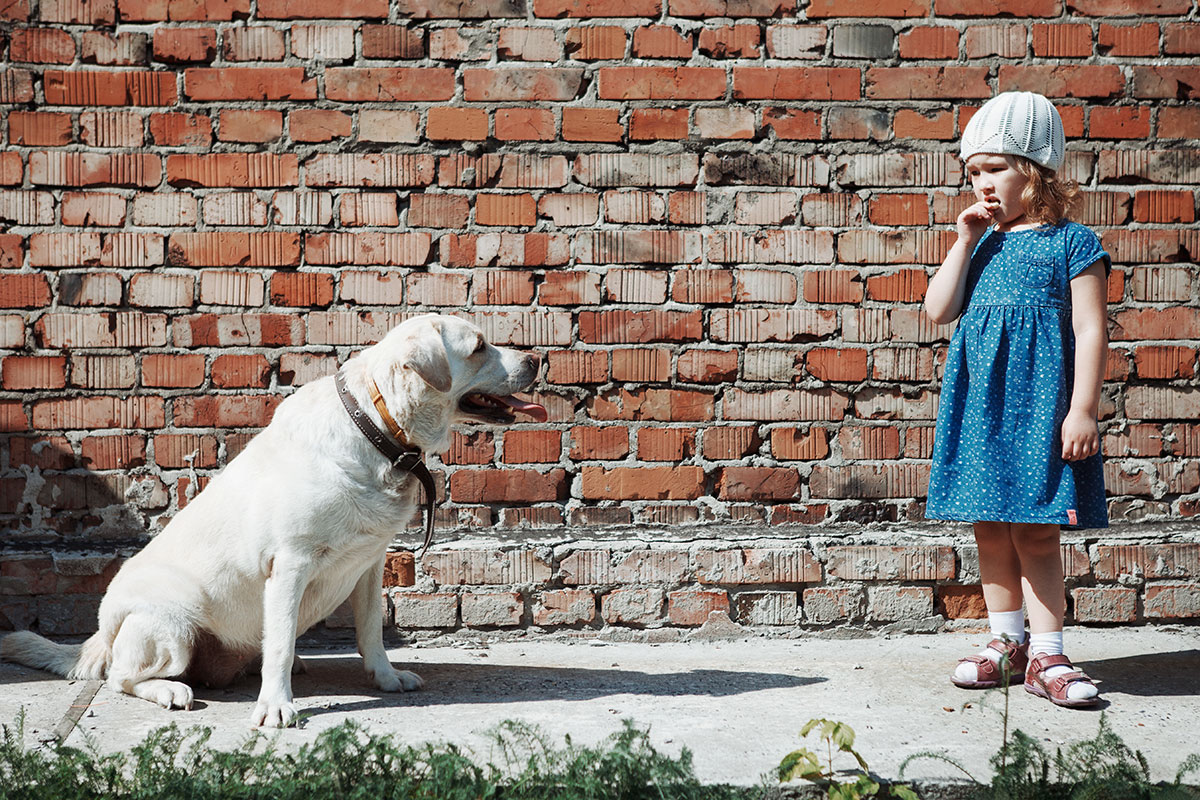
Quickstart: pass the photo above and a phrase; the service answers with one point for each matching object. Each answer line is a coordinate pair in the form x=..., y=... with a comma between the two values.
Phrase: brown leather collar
x=395, y=448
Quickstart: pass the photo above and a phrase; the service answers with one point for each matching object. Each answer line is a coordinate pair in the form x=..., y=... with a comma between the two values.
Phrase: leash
x=395, y=448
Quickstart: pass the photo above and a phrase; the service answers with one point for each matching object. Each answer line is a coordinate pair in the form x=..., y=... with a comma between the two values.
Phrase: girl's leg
x=1000, y=573
x=1040, y=554
x=999, y=567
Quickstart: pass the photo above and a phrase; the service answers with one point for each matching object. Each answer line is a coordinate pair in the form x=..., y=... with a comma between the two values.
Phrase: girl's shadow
x=1150, y=675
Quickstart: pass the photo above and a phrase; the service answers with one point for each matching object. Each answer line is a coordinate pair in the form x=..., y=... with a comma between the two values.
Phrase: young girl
x=1016, y=450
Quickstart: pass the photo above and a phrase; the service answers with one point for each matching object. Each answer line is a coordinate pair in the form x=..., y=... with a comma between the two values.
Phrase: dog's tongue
x=534, y=410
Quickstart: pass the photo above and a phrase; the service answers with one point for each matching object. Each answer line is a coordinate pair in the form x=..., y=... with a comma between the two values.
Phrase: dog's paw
x=172, y=694
x=398, y=680
x=269, y=714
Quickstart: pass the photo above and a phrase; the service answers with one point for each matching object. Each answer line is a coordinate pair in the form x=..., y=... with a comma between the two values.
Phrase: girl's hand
x=973, y=222
x=1080, y=436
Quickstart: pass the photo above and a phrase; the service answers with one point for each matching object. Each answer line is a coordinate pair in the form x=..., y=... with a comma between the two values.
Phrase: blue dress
x=997, y=450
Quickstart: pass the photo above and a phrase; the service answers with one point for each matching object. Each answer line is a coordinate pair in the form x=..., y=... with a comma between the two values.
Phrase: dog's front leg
x=287, y=578
x=368, y=629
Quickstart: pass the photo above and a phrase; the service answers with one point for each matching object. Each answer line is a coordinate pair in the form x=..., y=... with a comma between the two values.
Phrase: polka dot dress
x=997, y=451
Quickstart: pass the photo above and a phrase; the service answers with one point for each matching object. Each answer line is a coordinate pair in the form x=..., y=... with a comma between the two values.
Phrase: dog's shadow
x=484, y=683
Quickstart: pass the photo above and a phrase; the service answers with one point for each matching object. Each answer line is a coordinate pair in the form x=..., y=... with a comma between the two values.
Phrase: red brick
x=234, y=249
x=592, y=125
x=832, y=286
x=930, y=41
x=528, y=44
x=595, y=43
x=456, y=124
x=392, y=42
x=1060, y=80
x=670, y=124
x=661, y=83
x=233, y=370
x=565, y=607
x=246, y=125
x=438, y=210
x=240, y=170
x=1128, y=40
x=607, y=443
x=181, y=130
x=34, y=372
x=184, y=45
x=528, y=84
x=244, y=329
x=437, y=289
x=182, y=10
x=837, y=363
x=1073, y=40
x=666, y=444
x=113, y=452
x=318, y=125
x=680, y=482
x=910, y=124
x=505, y=209
x=93, y=208
x=1122, y=122
x=1166, y=82
x=95, y=88
x=661, y=41
x=24, y=291
x=730, y=41
x=1179, y=122
x=608, y=327
x=319, y=9
x=1118, y=8
x=302, y=289
x=793, y=123
x=525, y=125
x=252, y=83
x=258, y=43
x=39, y=128
x=899, y=209
x=41, y=46
x=597, y=8
x=1164, y=206
x=758, y=484
x=691, y=607
x=796, y=83
x=124, y=49
x=1181, y=38
x=532, y=447
x=15, y=11
x=507, y=486
x=224, y=411
x=1172, y=601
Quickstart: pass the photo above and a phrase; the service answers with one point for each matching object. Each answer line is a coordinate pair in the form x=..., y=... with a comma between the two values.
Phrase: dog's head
x=442, y=370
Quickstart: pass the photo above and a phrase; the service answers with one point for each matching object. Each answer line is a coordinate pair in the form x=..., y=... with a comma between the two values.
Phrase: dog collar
x=396, y=449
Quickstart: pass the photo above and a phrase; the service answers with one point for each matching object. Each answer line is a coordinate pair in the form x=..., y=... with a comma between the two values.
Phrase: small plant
x=806, y=764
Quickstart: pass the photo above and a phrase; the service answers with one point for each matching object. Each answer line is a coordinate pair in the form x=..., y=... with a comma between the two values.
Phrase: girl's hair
x=1046, y=198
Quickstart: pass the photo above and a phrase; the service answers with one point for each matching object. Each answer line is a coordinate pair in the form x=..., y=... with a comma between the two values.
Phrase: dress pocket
x=1038, y=272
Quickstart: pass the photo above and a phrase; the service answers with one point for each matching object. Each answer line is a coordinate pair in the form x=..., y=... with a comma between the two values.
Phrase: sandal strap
x=1042, y=662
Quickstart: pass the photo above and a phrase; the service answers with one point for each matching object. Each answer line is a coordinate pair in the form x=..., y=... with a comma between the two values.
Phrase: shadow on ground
x=1150, y=674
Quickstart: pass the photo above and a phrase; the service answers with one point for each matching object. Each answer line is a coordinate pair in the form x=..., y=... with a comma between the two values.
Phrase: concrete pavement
x=737, y=704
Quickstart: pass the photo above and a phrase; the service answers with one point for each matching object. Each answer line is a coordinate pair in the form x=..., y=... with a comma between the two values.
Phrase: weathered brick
x=1105, y=603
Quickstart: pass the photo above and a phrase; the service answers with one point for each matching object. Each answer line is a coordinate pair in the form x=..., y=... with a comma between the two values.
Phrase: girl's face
x=996, y=179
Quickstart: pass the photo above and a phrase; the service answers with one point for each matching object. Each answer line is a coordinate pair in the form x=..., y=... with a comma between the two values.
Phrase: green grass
x=348, y=762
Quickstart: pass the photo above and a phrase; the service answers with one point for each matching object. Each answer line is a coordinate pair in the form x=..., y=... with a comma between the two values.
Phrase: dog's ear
x=426, y=356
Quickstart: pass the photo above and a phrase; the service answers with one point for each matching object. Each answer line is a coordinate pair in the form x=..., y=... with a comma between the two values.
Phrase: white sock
x=1004, y=624
x=1051, y=644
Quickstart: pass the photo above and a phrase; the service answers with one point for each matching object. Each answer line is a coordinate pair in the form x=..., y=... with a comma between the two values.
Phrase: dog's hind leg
x=150, y=647
x=368, y=630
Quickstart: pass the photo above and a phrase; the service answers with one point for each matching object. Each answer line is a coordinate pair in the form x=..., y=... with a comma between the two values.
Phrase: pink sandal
x=1055, y=689
x=988, y=674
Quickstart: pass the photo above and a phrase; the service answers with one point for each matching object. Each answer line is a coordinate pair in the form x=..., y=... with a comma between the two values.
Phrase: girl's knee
x=1036, y=538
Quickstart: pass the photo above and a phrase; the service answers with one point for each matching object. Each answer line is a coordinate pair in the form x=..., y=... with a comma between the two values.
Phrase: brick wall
x=713, y=219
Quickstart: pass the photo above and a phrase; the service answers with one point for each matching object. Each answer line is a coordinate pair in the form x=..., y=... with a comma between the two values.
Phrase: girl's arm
x=1089, y=319
x=944, y=297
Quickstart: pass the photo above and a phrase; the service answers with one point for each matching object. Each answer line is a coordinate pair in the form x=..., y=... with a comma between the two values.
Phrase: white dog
x=294, y=525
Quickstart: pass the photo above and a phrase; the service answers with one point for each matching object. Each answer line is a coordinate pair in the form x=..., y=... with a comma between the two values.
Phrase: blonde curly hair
x=1046, y=197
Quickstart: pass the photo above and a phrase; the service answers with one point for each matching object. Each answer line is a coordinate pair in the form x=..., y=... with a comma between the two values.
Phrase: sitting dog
x=300, y=521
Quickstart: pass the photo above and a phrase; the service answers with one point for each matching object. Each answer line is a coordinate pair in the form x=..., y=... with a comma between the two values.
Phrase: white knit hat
x=1019, y=124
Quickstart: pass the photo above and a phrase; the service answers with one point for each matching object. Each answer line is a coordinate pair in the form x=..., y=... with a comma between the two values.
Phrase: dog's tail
x=87, y=661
